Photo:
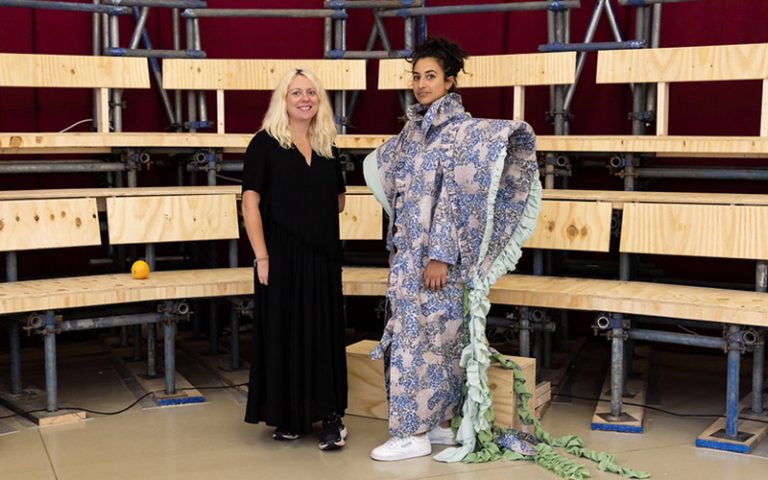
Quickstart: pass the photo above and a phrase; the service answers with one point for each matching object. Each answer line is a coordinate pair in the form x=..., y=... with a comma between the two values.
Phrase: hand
x=435, y=275
x=262, y=271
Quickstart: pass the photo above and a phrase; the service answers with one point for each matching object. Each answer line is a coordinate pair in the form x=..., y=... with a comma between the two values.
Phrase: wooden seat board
x=85, y=291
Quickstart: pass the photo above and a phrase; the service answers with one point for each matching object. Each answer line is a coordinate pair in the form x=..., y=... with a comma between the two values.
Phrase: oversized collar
x=441, y=111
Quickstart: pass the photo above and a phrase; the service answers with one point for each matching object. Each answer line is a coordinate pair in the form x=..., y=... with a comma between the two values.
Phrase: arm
x=342, y=202
x=255, y=230
x=443, y=243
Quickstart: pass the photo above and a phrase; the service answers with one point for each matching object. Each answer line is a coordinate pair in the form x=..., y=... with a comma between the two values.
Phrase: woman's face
x=429, y=81
x=302, y=99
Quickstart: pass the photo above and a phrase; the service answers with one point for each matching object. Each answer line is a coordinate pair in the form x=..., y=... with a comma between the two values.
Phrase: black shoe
x=283, y=435
x=333, y=434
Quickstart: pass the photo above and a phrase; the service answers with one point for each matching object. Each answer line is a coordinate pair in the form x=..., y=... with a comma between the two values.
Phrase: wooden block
x=635, y=391
x=258, y=74
x=500, y=382
x=749, y=434
x=583, y=226
x=38, y=224
x=662, y=108
x=172, y=218
x=361, y=219
x=764, y=111
x=185, y=393
x=72, y=71
x=719, y=231
x=364, y=281
x=492, y=71
x=518, y=103
x=365, y=380
x=367, y=396
x=543, y=393
x=33, y=399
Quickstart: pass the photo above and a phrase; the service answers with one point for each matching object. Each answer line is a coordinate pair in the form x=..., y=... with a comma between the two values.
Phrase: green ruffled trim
x=477, y=414
x=573, y=444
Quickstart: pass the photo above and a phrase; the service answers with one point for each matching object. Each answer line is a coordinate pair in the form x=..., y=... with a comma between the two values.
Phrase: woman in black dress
x=293, y=192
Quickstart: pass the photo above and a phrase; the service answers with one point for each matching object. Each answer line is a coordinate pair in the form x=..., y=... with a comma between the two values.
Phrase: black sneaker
x=333, y=434
x=284, y=436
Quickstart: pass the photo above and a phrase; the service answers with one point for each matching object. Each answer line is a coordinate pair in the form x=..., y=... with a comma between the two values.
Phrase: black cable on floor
x=661, y=410
x=117, y=412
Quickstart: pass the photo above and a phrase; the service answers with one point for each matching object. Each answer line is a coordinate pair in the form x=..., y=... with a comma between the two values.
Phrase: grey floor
x=210, y=440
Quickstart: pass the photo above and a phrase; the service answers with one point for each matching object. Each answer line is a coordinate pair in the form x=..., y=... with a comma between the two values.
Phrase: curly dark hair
x=448, y=54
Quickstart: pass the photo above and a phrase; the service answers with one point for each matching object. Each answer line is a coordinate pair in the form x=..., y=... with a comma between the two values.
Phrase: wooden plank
x=31, y=405
x=583, y=226
x=362, y=218
x=102, y=193
x=102, y=110
x=171, y=218
x=223, y=74
x=72, y=292
x=642, y=298
x=72, y=71
x=220, y=111
x=492, y=71
x=754, y=431
x=684, y=64
x=696, y=230
x=364, y=281
x=764, y=111
x=37, y=224
x=662, y=108
x=518, y=103
x=619, y=198
x=670, y=146
x=79, y=142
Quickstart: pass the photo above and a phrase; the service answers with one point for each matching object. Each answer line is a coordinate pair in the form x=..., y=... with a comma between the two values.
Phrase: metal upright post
x=176, y=46
x=51, y=380
x=191, y=94
x=409, y=46
x=117, y=94
x=151, y=327
x=14, y=332
x=732, y=389
x=758, y=354
x=617, y=364
x=234, y=324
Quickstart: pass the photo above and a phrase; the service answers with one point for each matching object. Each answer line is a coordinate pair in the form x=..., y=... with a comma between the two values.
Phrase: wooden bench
x=55, y=219
x=692, y=225
x=663, y=66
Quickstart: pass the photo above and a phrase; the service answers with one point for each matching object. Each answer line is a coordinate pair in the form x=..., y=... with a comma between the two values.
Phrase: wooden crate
x=367, y=397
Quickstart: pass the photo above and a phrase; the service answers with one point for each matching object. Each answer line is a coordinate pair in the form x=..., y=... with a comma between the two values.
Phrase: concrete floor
x=210, y=440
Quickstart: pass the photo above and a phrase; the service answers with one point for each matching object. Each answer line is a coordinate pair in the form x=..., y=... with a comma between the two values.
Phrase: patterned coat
x=455, y=189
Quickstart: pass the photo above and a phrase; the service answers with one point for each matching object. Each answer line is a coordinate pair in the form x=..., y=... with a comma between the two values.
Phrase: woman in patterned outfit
x=424, y=335
x=455, y=189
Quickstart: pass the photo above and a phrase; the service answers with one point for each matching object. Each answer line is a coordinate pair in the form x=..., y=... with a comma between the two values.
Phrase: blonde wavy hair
x=322, y=129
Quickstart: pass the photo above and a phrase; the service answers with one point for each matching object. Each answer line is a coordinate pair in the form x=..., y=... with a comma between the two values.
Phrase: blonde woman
x=293, y=191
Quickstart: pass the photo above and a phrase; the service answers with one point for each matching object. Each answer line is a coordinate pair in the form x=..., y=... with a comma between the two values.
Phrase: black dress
x=298, y=367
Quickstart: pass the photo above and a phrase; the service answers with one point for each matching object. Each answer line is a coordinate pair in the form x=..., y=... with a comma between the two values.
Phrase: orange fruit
x=140, y=269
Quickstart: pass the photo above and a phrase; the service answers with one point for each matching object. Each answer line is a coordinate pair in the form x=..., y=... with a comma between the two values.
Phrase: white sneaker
x=402, y=449
x=441, y=436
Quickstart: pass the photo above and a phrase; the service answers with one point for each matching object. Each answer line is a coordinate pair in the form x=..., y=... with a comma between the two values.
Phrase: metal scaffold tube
x=262, y=13
x=61, y=166
x=160, y=3
x=66, y=6
x=484, y=8
x=351, y=4
x=645, y=3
